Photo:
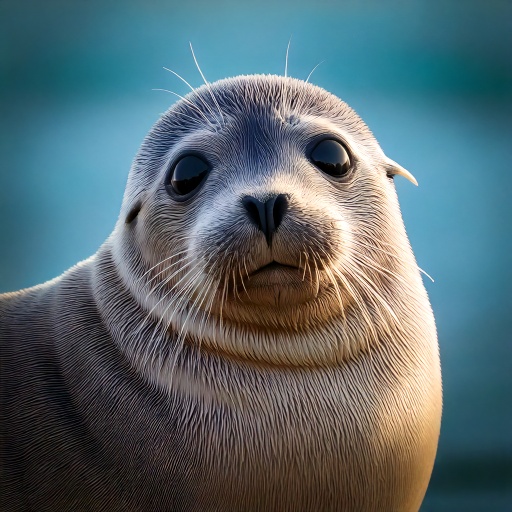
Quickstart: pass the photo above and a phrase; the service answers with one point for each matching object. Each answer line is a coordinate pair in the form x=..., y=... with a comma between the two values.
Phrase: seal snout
x=266, y=216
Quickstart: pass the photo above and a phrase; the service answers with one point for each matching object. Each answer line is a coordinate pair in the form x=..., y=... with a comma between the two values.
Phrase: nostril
x=280, y=207
x=255, y=210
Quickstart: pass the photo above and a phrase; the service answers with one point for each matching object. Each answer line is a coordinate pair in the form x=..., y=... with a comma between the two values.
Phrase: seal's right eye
x=187, y=174
x=331, y=157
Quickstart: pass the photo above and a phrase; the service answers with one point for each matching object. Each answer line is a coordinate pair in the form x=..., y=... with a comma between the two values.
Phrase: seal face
x=267, y=216
x=259, y=271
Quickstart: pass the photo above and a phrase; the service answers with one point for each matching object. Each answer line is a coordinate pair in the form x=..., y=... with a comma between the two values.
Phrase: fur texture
x=165, y=374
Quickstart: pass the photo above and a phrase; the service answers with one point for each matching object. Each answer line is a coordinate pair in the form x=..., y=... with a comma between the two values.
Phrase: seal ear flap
x=394, y=168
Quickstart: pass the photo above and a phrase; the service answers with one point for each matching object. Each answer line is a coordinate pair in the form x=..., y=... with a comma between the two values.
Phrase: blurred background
x=432, y=79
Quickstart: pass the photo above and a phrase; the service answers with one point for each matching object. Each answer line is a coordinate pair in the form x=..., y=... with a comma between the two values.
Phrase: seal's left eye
x=331, y=157
x=187, y=174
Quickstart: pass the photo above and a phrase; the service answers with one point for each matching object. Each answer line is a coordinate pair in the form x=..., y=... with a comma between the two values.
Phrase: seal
x=254, y=335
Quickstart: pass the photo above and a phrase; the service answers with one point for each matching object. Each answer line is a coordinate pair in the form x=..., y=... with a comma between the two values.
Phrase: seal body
x=254, y=335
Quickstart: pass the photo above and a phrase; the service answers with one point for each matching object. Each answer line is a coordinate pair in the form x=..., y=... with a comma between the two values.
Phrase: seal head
x=260, y=220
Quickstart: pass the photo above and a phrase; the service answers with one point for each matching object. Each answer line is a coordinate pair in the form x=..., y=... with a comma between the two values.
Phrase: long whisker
x=173, y=288
x=245, y=267
x=286, y=59
x=224, y=290
x=207, y=85
x=312, y=71
x=187, y=274
x=235, y=287
x=159, y=263
x=316, y=281
x=332, y=279
x=192, y=89
x=198, y=307
x=182, y=260
x=188, y=102
x=370, y=246
x=241, y=277
x=194, y=305
x=358, y=300
x=392, y=247
x=167, y=279
x=368, y=262
x=206, y=316
x=370, y=287
x=179, y=300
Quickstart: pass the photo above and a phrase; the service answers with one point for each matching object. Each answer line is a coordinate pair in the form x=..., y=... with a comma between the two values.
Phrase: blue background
x=432, y=79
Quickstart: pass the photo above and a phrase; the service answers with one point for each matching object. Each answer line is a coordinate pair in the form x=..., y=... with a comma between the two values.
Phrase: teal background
x=432, y=79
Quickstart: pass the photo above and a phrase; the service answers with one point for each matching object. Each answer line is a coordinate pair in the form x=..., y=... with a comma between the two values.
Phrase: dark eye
x=331, y=157
x=187, y=174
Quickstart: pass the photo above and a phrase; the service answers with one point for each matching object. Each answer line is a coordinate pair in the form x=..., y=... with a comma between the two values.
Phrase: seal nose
x=268, y=215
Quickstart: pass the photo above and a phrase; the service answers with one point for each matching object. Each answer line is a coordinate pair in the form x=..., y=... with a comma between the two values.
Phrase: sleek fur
x=172, y=372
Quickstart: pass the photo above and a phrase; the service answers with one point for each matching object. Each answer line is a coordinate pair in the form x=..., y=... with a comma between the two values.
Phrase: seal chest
x=254, y=335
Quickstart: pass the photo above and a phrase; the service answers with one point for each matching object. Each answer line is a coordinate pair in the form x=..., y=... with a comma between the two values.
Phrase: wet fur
x=153, y=377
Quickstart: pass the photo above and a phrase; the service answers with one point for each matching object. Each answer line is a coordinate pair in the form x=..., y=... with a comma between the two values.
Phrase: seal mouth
x=272, y=266
x=275, y=274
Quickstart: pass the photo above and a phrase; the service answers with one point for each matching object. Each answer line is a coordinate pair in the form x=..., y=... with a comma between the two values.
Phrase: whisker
x=286, y=59
x=241, y=277
x=235, y=287
x=165, y=269
x=204, y=293
x=369, y=286
x=192, y=89
x=167, y=279
x=210, y=306
x=206, y=316
x=159, y=263
x=312, y=71
x=182, y=293
x=195, y=107
x=370, y=246
x=224, y=289
x=366, y=261
x=358, y=300
x=305, y=265
x=336, y=290
x=245, y=266
x=173, y=288
x=316, y=281
x=207, y=85
x=180, y=303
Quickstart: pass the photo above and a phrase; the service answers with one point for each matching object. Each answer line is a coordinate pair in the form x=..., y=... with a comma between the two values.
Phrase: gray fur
x=155, y=376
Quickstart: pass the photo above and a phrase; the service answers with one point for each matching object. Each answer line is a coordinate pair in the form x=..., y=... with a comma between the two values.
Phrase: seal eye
x=331, y=157
x=187, y=174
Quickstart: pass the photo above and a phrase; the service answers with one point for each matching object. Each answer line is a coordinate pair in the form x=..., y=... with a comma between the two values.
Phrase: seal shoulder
x=40, y=417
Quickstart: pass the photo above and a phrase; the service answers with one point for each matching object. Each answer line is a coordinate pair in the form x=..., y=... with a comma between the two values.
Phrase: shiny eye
x=331, y=157
x=187, y=174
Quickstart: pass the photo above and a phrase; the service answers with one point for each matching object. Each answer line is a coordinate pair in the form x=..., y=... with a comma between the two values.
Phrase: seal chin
x=277, y=284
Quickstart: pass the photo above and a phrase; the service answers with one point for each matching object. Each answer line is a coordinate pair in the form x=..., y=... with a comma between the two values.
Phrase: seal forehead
x=256, y=114
x=283, y=98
